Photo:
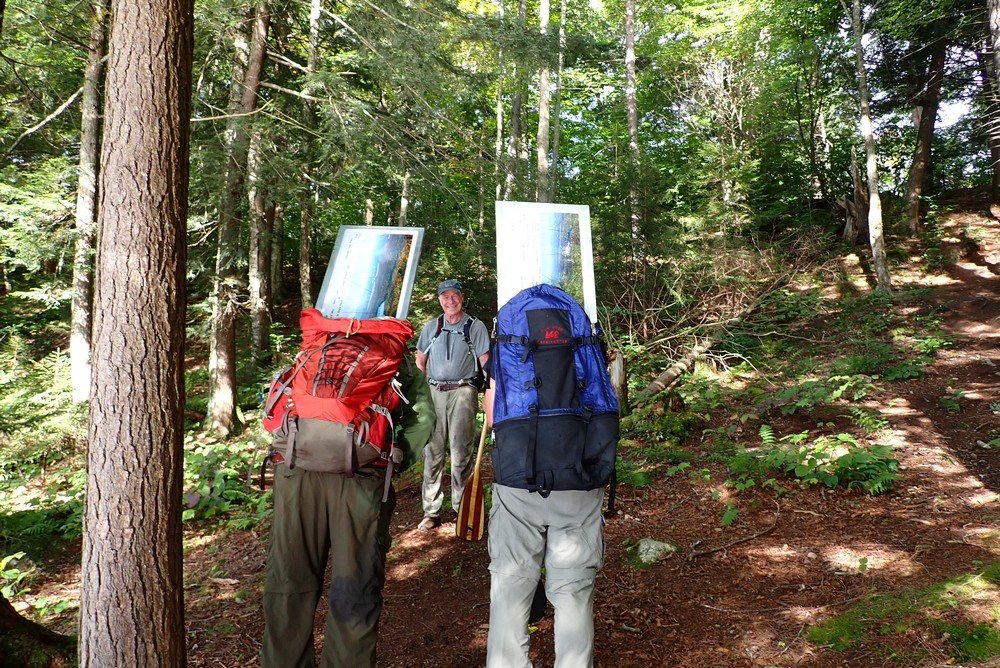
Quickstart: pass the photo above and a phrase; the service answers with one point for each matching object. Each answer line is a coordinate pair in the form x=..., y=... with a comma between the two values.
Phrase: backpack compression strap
x=533, y=344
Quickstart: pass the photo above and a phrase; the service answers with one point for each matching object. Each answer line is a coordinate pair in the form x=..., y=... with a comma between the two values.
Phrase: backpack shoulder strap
x=466, y=331
x=437, y=333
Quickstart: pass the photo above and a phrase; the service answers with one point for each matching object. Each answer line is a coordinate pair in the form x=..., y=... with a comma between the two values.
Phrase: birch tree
x=543, y=186
x=632, y=113
x=875, y=233
x=86, y=204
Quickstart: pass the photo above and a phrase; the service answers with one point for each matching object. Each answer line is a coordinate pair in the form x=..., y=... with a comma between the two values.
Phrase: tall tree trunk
x=927, y=108
x=875, y=235
x=632, y=109
x=277, y=216
x=993, y=17
x=991, y=93
x=308, y=197
x=222, y=360
x=499, y=170
x=132, y=587
x=557, y=105
x=543, y=192
x=369, y=211
x=259, y=263
x=514, y=140
x=86, y=204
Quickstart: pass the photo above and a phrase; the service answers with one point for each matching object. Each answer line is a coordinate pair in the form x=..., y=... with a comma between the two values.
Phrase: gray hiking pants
x=317, y=515
x=455, y=430
x=563, y=532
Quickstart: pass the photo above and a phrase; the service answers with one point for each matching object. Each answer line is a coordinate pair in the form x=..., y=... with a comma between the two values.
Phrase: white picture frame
x=371, y=272
x=545, y=243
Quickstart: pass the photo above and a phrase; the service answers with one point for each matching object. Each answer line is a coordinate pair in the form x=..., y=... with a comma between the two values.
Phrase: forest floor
x=905, y=578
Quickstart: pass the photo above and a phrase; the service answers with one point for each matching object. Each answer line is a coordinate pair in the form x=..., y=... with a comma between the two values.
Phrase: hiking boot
x=429, y=523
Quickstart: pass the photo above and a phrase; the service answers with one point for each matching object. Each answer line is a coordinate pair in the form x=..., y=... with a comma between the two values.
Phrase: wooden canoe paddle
x=471, y=522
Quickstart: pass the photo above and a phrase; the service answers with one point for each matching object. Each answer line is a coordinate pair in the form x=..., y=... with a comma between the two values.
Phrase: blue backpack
x=555, y=413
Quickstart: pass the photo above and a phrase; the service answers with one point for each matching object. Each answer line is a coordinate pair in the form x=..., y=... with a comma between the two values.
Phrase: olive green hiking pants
x=319, y=516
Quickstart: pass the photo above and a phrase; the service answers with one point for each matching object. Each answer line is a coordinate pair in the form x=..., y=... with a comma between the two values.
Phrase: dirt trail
x=749, y=605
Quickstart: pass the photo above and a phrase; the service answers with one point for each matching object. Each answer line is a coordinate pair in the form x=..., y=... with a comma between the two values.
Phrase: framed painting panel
x=545, y=243
x=371, y=272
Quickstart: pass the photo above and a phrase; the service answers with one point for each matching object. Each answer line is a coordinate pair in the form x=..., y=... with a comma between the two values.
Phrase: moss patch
x=942, y=609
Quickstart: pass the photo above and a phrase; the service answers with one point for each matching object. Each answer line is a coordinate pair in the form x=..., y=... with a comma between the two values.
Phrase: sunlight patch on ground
x=987, y=537
x=725, y=494
x=900, y=406
x=413, y=552
x=783, y=553
x=862, y=559
x=982, y=499
x=194, y=541
x=803, y=614
x=978, y=597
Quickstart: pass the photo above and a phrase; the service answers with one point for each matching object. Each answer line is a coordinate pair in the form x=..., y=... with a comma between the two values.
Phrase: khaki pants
x=562, y=532
x=317, y=515
x=455, y=430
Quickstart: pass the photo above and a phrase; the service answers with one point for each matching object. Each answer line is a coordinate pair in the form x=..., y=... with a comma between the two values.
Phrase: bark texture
x=131, y=603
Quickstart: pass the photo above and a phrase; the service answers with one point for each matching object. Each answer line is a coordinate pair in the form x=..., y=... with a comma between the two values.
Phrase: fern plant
x=828, y=460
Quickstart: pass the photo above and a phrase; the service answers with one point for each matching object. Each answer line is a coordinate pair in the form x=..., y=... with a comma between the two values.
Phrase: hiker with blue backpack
x=555, y=420
x=451, y=350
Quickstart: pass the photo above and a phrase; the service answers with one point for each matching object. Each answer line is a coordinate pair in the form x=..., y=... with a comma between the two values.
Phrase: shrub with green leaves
x=811, y=393
x=638, y=464
x=830, y=460
x=657, y=423
x=217, y=476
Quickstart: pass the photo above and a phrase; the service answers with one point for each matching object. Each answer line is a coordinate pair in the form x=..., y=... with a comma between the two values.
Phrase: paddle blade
x=471, y=522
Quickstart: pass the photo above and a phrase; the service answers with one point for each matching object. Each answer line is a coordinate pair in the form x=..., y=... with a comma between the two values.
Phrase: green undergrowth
x=790, y=397
x=815, y=459
x=964, y=610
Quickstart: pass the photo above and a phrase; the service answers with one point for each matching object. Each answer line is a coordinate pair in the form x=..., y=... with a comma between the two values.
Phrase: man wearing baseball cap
x=451, y=350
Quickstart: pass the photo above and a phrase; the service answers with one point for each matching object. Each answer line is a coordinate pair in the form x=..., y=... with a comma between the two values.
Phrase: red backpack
x=332, y=409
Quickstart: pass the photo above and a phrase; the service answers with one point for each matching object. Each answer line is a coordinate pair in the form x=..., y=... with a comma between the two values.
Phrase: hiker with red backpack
x=451, y=350
x=350, y=411
x=555, y=419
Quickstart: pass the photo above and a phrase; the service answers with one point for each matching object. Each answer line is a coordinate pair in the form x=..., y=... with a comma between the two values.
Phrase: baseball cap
x=450, y=284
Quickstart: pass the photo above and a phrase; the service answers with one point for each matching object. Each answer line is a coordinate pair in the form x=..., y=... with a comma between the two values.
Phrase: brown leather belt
x=448, y=387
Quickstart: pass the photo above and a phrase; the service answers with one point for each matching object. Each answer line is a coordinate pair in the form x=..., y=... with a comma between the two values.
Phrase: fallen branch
x=781, y=608
x=666, y=379
x=701, y=553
